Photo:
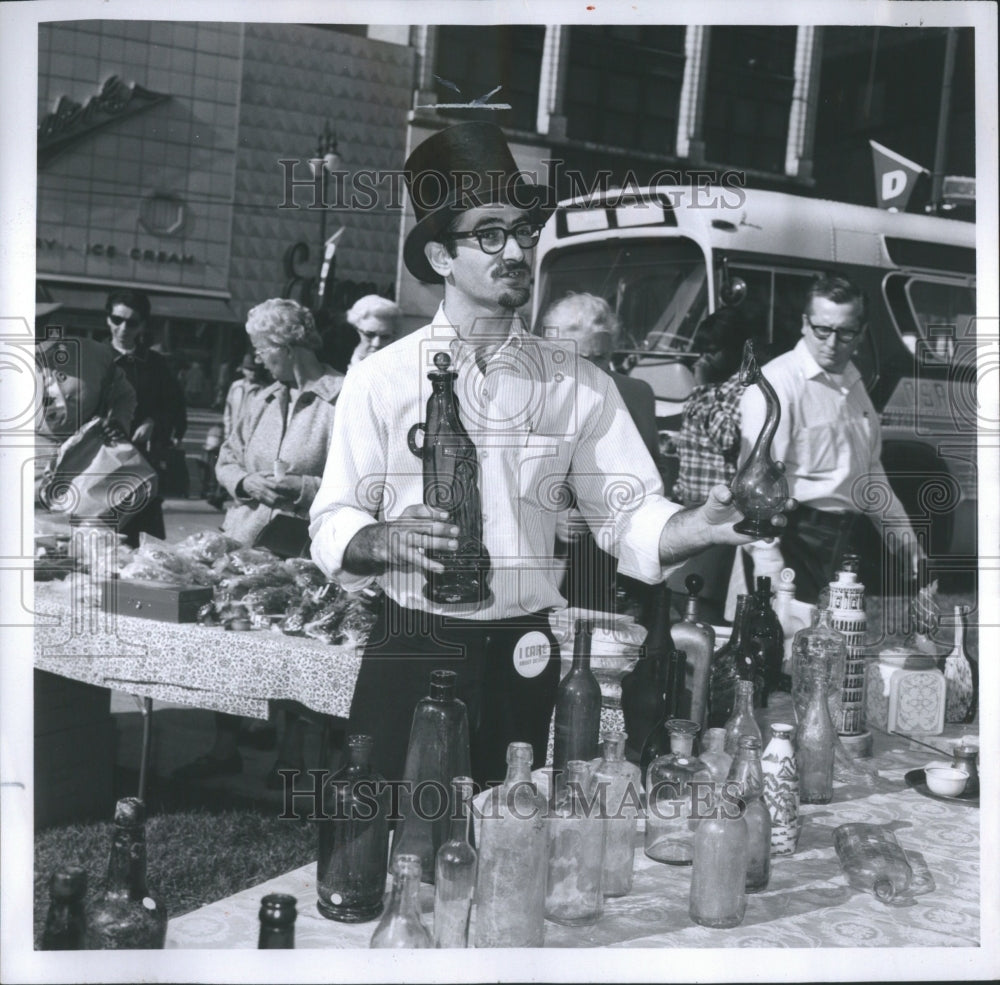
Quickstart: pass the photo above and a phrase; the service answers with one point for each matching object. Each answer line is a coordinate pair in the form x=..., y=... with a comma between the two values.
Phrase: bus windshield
x=658, y=288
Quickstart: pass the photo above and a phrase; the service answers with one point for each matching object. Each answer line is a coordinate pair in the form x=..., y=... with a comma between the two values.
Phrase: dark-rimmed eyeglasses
x=844, y=335
x=492, y=239
x=131, y=322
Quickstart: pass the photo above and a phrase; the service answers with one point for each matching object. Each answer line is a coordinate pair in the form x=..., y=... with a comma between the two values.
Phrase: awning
x=77, y=297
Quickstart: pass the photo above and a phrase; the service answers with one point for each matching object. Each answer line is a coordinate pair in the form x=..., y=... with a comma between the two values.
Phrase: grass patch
x=193, y=857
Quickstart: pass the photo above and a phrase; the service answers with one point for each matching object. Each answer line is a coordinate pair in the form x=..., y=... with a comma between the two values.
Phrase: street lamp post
x=328, y=154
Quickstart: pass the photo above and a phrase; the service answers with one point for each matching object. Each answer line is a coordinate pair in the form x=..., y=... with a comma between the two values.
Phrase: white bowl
x=946, y=781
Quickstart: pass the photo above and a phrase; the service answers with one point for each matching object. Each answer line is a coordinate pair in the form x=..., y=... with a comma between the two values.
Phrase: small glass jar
x=676, y=785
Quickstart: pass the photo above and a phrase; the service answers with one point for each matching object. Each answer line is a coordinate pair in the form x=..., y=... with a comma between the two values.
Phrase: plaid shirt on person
x=708, y=443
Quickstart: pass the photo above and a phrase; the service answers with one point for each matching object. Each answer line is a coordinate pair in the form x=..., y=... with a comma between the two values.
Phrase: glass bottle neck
x=405, y=893
x=748, y=772
x=127, y=863
x=459, y=829
x=742, y=604
x=744, y=696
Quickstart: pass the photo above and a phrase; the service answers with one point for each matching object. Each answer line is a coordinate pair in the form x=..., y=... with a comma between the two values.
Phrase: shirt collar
x=461, y=351
x=813, y=370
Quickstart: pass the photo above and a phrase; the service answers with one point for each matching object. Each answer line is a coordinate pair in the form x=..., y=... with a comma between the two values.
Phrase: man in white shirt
x=830, y=441
x=541, y=419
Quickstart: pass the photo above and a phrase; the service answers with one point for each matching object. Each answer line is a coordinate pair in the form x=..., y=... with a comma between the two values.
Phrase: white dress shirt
x=540, y=418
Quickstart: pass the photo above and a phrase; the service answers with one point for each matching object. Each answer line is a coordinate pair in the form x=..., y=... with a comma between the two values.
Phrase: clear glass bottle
x=746, y=772
x=617, y=784
x=126, y=915
x=872, y=860
x=822, y=644
x=961, y=675
x=437, y=752
x=94, y=545
x=742, y=720
x=513, y=856
x=401, y=925
x=781, y=789
x=277, y=922
x=353, y=839
x=697, y=639
x=713, y=753
x=817, y=736
x=455, y=873
x=719, y=870
x=659, y=742
x=576, y=833
x=676, y=792
x=730, y=663
x=66, y=921
x=577, y=726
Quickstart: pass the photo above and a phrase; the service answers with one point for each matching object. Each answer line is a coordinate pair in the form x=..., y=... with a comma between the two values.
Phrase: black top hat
x=456, y=169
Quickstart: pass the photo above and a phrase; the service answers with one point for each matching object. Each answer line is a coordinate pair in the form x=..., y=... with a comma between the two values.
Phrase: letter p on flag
x=895, y=177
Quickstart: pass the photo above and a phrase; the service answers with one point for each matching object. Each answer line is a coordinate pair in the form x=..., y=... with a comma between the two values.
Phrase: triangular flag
x=895, y=177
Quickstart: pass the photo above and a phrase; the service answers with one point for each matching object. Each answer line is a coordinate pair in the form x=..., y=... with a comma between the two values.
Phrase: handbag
x=98, y=472
x=285, y=535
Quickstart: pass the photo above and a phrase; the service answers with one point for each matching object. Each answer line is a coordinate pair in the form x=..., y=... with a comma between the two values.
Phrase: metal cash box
x=154, y=600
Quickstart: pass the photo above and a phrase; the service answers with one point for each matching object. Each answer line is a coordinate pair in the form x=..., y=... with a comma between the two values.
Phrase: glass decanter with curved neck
x=760, y=487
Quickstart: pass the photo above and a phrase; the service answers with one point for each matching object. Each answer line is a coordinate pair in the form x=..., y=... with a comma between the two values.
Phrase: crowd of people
x=316, y=463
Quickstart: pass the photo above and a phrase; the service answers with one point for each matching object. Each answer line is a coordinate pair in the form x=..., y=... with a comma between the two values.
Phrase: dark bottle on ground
x=66, y=921
x=126, y=914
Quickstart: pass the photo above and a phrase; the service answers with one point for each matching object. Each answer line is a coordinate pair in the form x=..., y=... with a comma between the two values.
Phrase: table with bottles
x=807, y=903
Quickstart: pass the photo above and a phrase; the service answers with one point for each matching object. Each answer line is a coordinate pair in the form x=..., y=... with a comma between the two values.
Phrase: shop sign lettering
x=111, y=252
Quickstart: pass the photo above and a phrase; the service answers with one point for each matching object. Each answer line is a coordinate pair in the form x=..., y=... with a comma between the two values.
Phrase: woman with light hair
x=271, y=464
x=376, y=320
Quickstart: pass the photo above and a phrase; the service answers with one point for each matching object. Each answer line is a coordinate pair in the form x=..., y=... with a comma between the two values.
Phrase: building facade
x=176, y=156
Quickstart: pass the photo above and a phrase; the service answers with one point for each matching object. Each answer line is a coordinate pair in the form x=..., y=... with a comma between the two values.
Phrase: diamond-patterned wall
x=295, y=78
x=91, y=197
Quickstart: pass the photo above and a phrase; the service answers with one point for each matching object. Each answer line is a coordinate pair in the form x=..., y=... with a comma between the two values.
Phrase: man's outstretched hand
x=690, y=531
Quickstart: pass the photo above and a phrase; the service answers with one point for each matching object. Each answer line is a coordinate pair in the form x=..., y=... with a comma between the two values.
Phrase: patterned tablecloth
x=206, y=667
x=238, y=672
x=808, y=902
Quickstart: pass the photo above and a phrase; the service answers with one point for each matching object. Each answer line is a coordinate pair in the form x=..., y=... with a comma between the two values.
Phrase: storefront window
x=749, y=95
x=478, y=59
x=623, y=86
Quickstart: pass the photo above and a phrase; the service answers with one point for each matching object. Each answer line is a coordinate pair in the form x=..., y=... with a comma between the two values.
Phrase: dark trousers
x=503, y=706
x=814, y=544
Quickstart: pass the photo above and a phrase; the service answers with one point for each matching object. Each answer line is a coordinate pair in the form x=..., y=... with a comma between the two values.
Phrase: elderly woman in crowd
x=289, y=422
x=271, y=464
x=377, y=322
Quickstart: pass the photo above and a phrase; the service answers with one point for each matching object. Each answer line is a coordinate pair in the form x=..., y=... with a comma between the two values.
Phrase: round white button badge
x=531, y=653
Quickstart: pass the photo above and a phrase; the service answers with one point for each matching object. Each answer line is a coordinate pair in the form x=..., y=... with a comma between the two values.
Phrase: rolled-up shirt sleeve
x=620, y=492
x=350, y=493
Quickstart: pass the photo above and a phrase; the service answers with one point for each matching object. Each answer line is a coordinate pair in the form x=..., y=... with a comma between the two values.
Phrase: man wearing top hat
x=543, y=421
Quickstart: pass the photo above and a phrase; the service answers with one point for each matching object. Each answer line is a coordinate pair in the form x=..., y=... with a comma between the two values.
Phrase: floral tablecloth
x=807, y=904
x=239, y=672
x=206, y=667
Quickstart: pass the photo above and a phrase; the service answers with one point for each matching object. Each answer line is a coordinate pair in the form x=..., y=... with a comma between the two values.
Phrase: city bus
x=665, y=257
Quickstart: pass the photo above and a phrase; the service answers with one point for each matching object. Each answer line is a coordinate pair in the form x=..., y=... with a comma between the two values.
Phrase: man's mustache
x=510, y=267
